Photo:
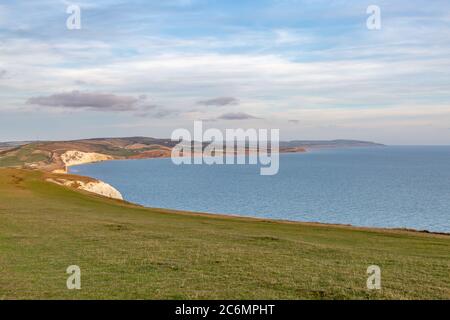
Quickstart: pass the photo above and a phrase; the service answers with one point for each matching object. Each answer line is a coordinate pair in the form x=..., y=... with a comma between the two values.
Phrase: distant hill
x=327, y=144
x=12, y=144
x=57, y=155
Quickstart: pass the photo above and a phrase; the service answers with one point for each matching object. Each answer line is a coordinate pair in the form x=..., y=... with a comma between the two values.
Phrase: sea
x=388, y=187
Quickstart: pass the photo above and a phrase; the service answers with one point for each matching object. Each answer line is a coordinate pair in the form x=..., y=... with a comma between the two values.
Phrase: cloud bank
x=236, y=116
x=220, y=102
x=95, y=101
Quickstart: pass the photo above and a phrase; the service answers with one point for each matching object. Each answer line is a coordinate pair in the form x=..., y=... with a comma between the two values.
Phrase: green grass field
x=125, y=251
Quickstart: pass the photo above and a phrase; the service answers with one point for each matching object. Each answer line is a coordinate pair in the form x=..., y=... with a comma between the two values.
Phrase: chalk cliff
x=94, y=186
x=74, y=157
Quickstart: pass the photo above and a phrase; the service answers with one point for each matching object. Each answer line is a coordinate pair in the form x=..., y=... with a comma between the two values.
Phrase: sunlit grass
x=125, y=251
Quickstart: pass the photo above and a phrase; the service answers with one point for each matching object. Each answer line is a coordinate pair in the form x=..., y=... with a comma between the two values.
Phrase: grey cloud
x=80, y=83
x=145, y=110
x=80, y=100
x=236, y=116
x=219, y=102
x=163, y=113
x=2, y=73
x=155, y=111
x=208, y=120
x=148, y=107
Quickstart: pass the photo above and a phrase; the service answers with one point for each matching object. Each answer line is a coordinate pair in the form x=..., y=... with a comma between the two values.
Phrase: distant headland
x=56, y=156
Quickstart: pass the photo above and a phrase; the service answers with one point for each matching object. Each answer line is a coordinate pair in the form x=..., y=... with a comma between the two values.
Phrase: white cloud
x=322, y=77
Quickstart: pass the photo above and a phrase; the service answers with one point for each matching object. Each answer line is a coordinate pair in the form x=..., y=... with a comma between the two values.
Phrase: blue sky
x=310, y=68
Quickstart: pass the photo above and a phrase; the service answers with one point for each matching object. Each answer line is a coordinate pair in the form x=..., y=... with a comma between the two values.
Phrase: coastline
x=76, y=158
x=106, y=190
x=293, y=222
x=268, y=220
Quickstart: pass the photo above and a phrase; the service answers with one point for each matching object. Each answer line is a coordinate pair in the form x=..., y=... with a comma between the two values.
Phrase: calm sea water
x=405, y=187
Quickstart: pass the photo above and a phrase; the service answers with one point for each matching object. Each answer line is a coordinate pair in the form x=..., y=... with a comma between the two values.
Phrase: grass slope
x=126, y=251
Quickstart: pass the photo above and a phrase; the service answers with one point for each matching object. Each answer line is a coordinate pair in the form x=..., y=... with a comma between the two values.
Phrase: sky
x=311, y=68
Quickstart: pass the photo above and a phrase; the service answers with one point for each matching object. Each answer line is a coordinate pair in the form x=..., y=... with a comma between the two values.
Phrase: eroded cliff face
x=94, y=186
x=74, y=157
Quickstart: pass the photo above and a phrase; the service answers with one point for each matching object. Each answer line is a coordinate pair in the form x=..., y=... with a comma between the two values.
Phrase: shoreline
x=294, y=222
x=237, y=216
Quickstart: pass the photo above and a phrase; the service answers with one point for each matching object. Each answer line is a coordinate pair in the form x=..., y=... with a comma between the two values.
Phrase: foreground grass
x=129, y=252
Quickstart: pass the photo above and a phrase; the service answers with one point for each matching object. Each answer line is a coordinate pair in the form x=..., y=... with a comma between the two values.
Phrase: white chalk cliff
x=73, y=157
x=96, y=186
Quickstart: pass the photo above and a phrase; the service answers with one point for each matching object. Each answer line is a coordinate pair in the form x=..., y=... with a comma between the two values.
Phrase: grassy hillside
x=126, y=251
